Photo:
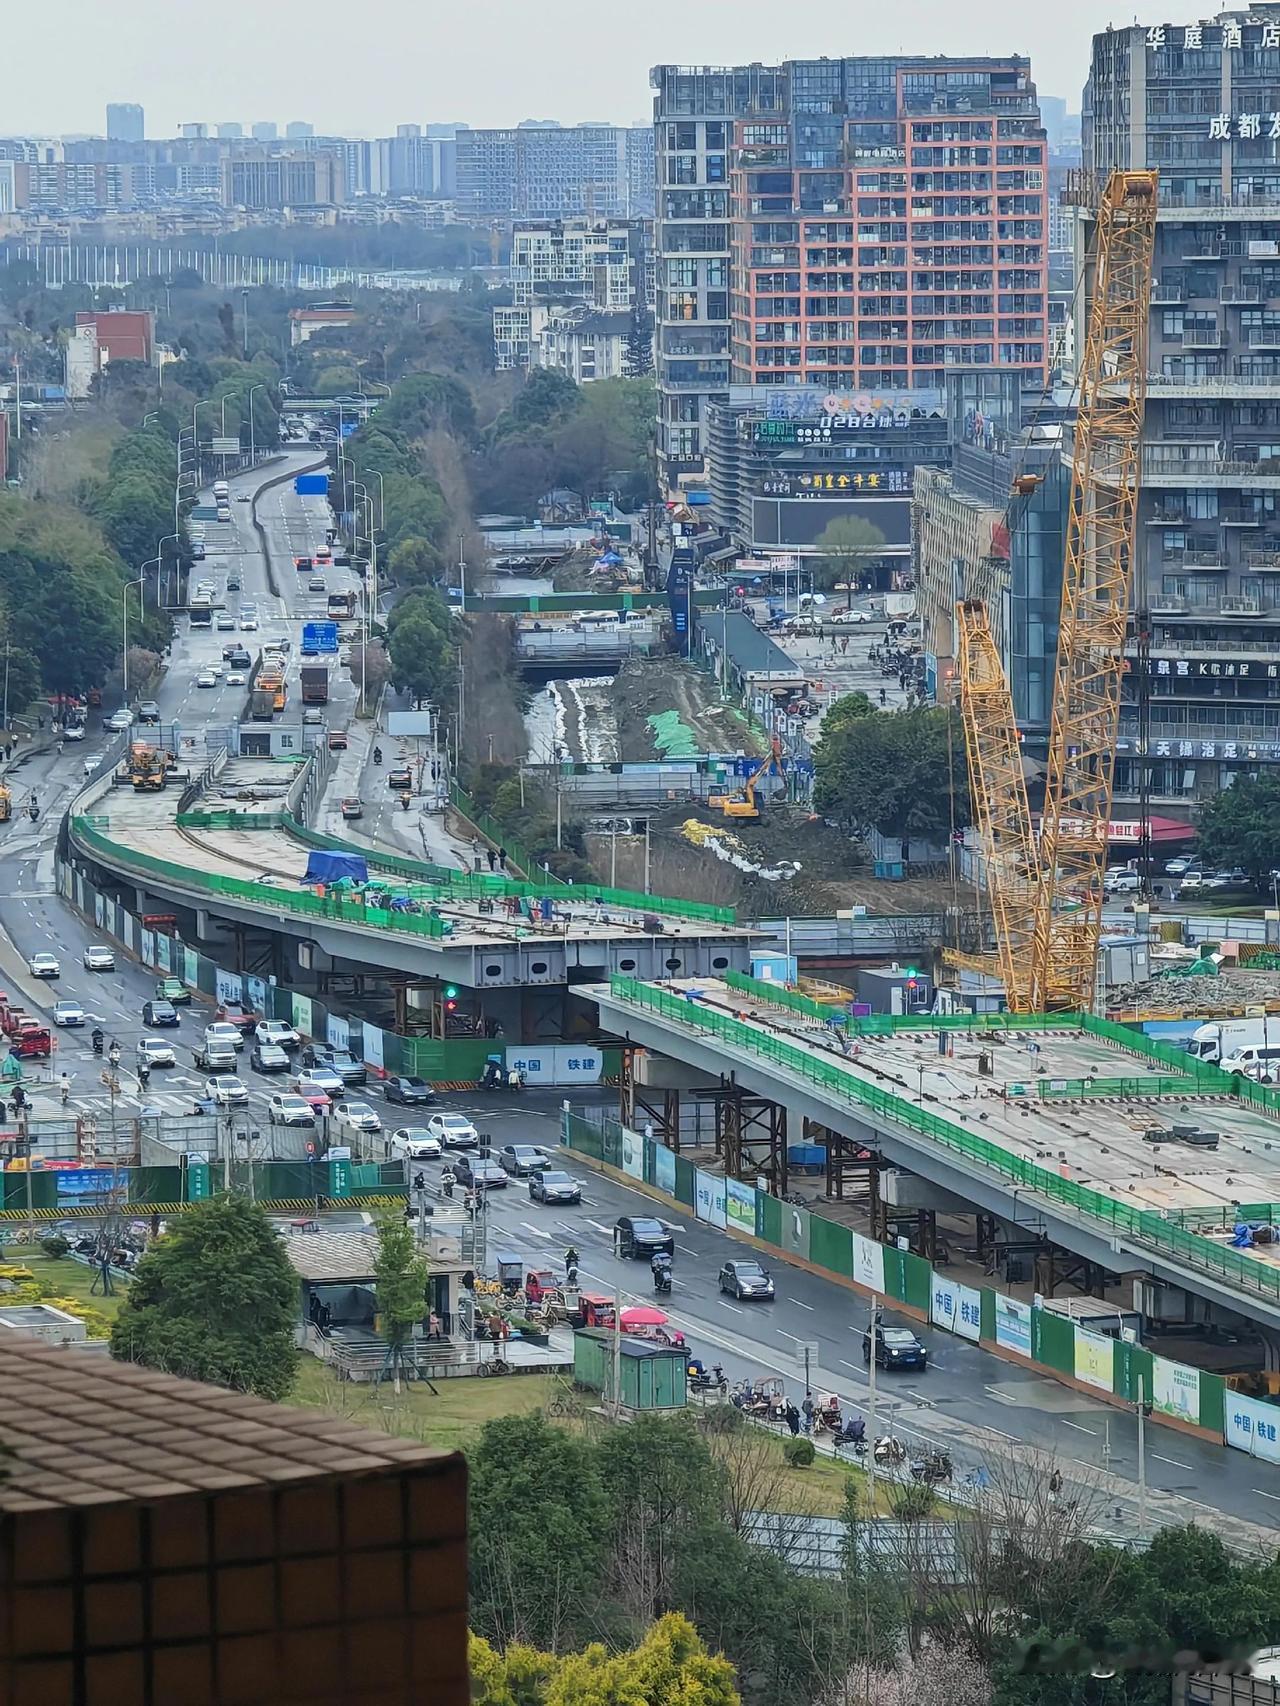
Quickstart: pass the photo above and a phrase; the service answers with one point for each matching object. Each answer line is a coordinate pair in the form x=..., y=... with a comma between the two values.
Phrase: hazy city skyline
x=498, y=62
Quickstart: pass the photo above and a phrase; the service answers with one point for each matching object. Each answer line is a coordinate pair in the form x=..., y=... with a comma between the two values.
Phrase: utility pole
x=462, y=579
x=1143, y=1408
x=871, y=1404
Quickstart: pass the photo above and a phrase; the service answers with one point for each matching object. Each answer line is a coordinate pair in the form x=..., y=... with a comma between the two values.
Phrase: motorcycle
x=662, y=1278
x=702, y=1380
x=889, y=1451
x=377, y=755
x=932, y=1467
x=98, y=1040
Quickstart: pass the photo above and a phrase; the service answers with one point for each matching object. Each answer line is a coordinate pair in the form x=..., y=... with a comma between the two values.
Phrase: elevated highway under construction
x=1155, y=1176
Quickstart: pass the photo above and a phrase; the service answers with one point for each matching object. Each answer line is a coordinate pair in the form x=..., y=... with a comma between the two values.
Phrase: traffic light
x=450, y=998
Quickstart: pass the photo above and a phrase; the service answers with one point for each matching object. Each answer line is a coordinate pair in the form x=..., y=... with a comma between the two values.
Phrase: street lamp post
x=124, y=619
x=253, y=451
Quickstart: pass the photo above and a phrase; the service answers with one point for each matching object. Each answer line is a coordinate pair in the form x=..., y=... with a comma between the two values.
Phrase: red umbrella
x=643, y=1316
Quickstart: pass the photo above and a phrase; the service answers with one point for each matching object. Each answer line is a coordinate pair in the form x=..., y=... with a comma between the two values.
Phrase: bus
x=342, y=606
x=201, y=612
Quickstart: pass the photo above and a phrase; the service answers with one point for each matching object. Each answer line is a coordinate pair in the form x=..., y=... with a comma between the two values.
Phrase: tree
x=215, y=1299
x=1241, y=825
x=848, y=545
x=423, y=659
x=902, y=775
x=415, y=561
x=401, y=1276
x=670, y=1667
x=849, y=708
x=539, y=1535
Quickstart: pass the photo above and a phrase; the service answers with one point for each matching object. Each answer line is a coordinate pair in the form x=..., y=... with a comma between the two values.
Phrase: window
x=682, y=274
x=716, y=168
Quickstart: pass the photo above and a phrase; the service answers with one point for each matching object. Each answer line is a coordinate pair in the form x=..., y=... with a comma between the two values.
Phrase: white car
x=849, y=618
x=248, y=624
x=222, y=1032
x=68, y=1013
x=414, y=1143
x=454, y=1131
x=319, y=1078
x=279, y=1032
x=154, y=1051
x=92, y=763
x=284, y=1109
x=99, y=959
x=44, y=965
x=119, y=720
x=206, y=678
x=74, y=731
x=237, y=678
x=357, y=1116
x=226, y=1091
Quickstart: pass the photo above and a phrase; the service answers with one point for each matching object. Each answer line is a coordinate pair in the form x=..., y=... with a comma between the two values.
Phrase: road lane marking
x=1079, y=1427
x=800, y=1305
x=607, y=1230
x=1174, y=1461
x=733, y=1306
x=794, y=1337
x=686, y=1249
x=1262, y=1495
x=538, y=1231
x=1000, y=1397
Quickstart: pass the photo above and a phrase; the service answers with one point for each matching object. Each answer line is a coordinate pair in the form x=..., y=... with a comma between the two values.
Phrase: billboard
x=312, y=483
x=319, y=636
x=414, y=725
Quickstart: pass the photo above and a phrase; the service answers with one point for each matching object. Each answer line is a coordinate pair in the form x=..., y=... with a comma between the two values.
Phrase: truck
x=221, y=492
x=315, y=684
x=147, y=768
x=262, y=702
x=1220, y=1038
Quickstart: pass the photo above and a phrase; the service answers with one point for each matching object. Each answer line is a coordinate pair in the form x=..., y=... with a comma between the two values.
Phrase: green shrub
x=799, y=1453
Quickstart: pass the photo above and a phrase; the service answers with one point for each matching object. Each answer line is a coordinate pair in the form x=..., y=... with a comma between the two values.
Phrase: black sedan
x=551, y=1185
x=159, y=1013
x=640, y=1237
x=743, y=1279
x=896, y=1347
x=409, y=1092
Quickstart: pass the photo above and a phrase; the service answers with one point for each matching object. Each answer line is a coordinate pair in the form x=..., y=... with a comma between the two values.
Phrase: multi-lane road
x=979, y=1404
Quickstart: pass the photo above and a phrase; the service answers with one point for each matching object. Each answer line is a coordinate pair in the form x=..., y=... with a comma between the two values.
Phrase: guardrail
x=1231, y=1267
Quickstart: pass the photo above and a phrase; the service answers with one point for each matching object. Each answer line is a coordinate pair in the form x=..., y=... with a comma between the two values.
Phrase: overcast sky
x=359, y=70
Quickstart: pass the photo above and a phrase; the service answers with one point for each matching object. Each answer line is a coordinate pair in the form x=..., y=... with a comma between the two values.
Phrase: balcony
x=1241, y=518
x=1168, y=606
x=1166, y=294
x=1264, y=337
x=1234, y=384
x=1206, y=339
x=1237, y=294
x=1264, y=560
x=1214, y=560
x=1162, y=467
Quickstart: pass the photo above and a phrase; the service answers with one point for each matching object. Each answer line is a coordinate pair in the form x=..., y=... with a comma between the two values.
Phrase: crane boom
x=999, y=799
x=1096, y=576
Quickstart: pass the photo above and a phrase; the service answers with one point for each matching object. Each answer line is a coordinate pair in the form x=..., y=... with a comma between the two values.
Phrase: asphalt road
x=970, y=1399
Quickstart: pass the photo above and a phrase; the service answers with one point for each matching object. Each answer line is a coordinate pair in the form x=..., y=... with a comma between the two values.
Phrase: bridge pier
x=751, y=1136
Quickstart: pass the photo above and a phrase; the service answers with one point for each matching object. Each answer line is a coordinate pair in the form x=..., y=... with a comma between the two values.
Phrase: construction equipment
x=147, y=768
x=744, y=804
x=1065, y=895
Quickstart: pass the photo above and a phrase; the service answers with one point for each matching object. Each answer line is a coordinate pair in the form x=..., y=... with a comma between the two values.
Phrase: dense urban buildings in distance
x=125, y=122
x=1198, y=101
x=844, y=224
x=574, y=286
x=552, y=171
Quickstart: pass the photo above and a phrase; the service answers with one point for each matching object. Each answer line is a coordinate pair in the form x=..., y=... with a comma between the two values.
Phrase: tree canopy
x=670, y=1667
x=1241, y=825
x=849, y=545
x=215, y=1299
x=422, y=646
x=902, y=773
x=401, y=1276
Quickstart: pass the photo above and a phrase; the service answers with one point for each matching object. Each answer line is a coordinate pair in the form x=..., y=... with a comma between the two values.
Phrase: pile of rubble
x=1228, y=993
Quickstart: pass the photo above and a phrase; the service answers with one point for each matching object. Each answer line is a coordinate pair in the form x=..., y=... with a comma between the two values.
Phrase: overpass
x=1044, y=1123
x=242, y=862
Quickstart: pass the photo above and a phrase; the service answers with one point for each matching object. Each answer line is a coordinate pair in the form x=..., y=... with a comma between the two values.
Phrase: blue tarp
x=332, y=867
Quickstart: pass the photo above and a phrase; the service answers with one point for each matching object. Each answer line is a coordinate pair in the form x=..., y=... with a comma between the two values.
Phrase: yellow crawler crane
x=1068, y=869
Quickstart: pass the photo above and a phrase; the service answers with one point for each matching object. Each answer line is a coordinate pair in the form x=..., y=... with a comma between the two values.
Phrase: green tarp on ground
x=672, y=736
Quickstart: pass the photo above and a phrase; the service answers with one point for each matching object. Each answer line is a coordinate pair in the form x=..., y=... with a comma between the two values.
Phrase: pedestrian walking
x=493, y=859
x=1055, y=1486
x=806, y=1412
x=793, y=1418
x=502, y=858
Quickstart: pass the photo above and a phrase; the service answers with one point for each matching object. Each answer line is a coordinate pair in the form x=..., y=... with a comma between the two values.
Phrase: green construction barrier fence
x=1052, y=1341
x=1098, y=1089
x=1233, y=1267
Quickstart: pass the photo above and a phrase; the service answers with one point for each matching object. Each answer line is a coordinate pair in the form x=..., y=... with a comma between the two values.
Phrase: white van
x=221, y=492
x=1259, y=1062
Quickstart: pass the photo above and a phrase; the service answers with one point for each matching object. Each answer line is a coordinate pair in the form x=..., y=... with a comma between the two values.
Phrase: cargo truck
x=315, y=684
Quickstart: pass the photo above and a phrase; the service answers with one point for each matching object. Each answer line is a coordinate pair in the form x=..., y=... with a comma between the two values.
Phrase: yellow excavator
x=744, y=804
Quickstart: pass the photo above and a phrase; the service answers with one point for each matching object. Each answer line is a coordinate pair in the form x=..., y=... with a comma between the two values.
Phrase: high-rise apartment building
x=1199, y=101
x=552, y=171
x=265, y=130
x=230, y=131
x=125, y=121
x=297, y=130
x=844, y=225
x=563, y=263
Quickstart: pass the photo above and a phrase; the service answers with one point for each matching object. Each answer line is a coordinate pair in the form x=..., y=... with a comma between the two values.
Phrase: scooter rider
x=448, y=1179
x=97, y=1039
x=660, y=1268
x=377, y=755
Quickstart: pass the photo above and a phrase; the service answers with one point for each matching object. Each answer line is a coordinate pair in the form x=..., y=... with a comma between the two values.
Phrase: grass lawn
x=454, y=1418
x=70, y=1279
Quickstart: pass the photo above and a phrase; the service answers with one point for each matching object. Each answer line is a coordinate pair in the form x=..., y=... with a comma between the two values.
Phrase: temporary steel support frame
x=1097, y=571
x=751, y=1135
